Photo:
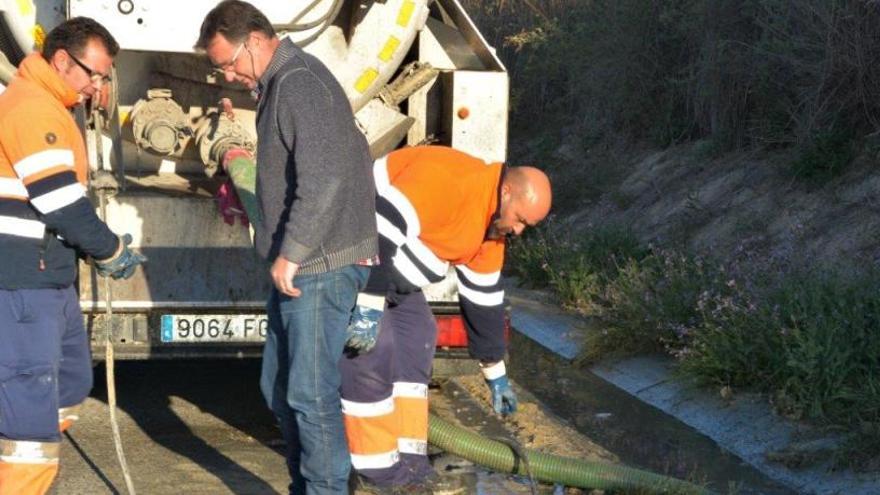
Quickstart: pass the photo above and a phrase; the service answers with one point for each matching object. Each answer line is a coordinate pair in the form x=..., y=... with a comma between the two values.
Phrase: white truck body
x=204, y=274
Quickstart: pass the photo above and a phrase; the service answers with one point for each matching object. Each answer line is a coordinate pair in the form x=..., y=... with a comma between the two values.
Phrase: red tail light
x=452, y=333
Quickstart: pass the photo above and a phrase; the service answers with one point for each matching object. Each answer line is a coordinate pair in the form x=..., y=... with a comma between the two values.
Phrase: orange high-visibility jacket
x=434, y=206
x=44, y=213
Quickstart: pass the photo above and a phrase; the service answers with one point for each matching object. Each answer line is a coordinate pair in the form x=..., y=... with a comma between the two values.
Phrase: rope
x=108, y=327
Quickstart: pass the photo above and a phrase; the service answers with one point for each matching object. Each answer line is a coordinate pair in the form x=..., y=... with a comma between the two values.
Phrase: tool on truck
x=415, y=71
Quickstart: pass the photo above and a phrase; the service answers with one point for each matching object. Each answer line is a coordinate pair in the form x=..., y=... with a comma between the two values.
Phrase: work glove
x=503, y=397
x=230, y=205
x=123, y=263
x=363, y=328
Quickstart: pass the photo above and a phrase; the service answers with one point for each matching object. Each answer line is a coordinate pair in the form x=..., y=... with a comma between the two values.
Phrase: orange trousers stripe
x=379, y=434
x=413, y=414
x=26, y=479
x=371, y=435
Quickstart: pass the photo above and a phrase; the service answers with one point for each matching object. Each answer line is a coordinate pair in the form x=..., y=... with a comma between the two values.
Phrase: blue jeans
x=301, y=379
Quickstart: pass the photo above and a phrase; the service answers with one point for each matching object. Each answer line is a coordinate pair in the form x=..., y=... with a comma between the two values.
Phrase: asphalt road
x=195, y=427
x=201, y=427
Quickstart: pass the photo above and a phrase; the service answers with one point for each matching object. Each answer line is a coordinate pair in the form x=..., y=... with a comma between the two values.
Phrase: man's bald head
x=526, y=198
x=532, y=187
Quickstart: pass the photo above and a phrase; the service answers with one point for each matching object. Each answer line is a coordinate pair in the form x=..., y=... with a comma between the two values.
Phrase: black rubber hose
x=551, y=468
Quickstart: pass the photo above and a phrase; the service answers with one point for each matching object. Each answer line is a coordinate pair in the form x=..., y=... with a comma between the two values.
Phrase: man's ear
x=60, y=60
x=506, y=191
x=254, y=40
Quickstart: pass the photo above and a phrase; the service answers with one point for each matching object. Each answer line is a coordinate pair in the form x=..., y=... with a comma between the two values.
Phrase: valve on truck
x=215, y=135
x=158, y=123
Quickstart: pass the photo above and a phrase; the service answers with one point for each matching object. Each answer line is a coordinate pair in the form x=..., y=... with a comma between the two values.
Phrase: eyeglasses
x=94, y=75
x=228, y=65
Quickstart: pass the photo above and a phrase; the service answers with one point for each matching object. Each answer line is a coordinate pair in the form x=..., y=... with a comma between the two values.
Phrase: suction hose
x=242, y=170
x=551, y=468
x=493, y=454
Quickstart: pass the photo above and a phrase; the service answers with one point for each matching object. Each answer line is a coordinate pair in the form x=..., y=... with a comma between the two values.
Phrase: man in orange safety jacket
x=436, y=207
x=46, y=220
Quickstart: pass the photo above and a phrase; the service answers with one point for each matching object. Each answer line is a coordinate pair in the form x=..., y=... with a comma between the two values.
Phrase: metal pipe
x=410, y=80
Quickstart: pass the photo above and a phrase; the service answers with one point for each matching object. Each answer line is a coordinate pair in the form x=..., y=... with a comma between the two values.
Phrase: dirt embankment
x=724, y=206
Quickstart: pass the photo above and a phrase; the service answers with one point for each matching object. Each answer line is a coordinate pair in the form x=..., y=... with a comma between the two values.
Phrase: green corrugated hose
x=551, y=468
x=497, y=455
x=243, y=172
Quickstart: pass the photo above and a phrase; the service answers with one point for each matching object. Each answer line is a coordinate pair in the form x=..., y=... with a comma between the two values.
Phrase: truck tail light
x=452, y=333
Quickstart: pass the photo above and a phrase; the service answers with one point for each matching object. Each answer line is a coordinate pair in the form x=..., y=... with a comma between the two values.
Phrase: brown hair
x=74, y=34
x=235, y=20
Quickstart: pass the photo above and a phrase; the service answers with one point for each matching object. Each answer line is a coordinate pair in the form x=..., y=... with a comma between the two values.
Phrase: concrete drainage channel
x=575, y=414
x=639, y=411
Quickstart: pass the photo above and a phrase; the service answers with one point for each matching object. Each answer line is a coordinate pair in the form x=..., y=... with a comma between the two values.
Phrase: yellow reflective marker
x=25, y=7
x=39, y=35
x=388, y=51
x=406, y=12
x=363, y=83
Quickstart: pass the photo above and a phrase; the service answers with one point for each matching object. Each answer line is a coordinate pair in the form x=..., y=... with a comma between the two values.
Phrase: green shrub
x=576, y=268
x=809, y=338
x=735, y=343
x=651, y=304
x=528, y=257
x=812, y=340
x=825, y=156
x=576, y=283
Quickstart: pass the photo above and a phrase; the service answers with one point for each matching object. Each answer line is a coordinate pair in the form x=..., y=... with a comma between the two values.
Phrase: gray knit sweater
x=314, y=172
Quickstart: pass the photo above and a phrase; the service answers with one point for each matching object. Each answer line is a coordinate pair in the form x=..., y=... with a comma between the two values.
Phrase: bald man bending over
x=435, y=207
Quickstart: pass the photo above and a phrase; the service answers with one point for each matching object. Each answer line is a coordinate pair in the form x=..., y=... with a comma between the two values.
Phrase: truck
x=414, y=71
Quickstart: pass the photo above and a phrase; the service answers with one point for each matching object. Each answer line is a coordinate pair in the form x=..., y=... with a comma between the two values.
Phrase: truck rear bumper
x=139, y=336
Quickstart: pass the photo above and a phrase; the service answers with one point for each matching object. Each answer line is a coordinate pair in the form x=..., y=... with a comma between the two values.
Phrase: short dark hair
x=235, y=20
x=74, y=34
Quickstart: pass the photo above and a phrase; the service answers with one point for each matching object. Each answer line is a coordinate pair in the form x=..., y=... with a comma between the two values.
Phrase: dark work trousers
x=385, y=396
x=45, y=365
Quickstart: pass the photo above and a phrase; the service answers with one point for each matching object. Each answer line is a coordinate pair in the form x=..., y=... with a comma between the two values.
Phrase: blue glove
x=363, y=329
x=503, y=397
x=121, y=265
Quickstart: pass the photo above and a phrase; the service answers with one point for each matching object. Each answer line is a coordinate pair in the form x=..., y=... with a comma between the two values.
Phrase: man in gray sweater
x=317, y=227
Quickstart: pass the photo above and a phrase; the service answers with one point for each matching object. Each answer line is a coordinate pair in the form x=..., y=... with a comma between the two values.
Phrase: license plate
x=214, y=328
